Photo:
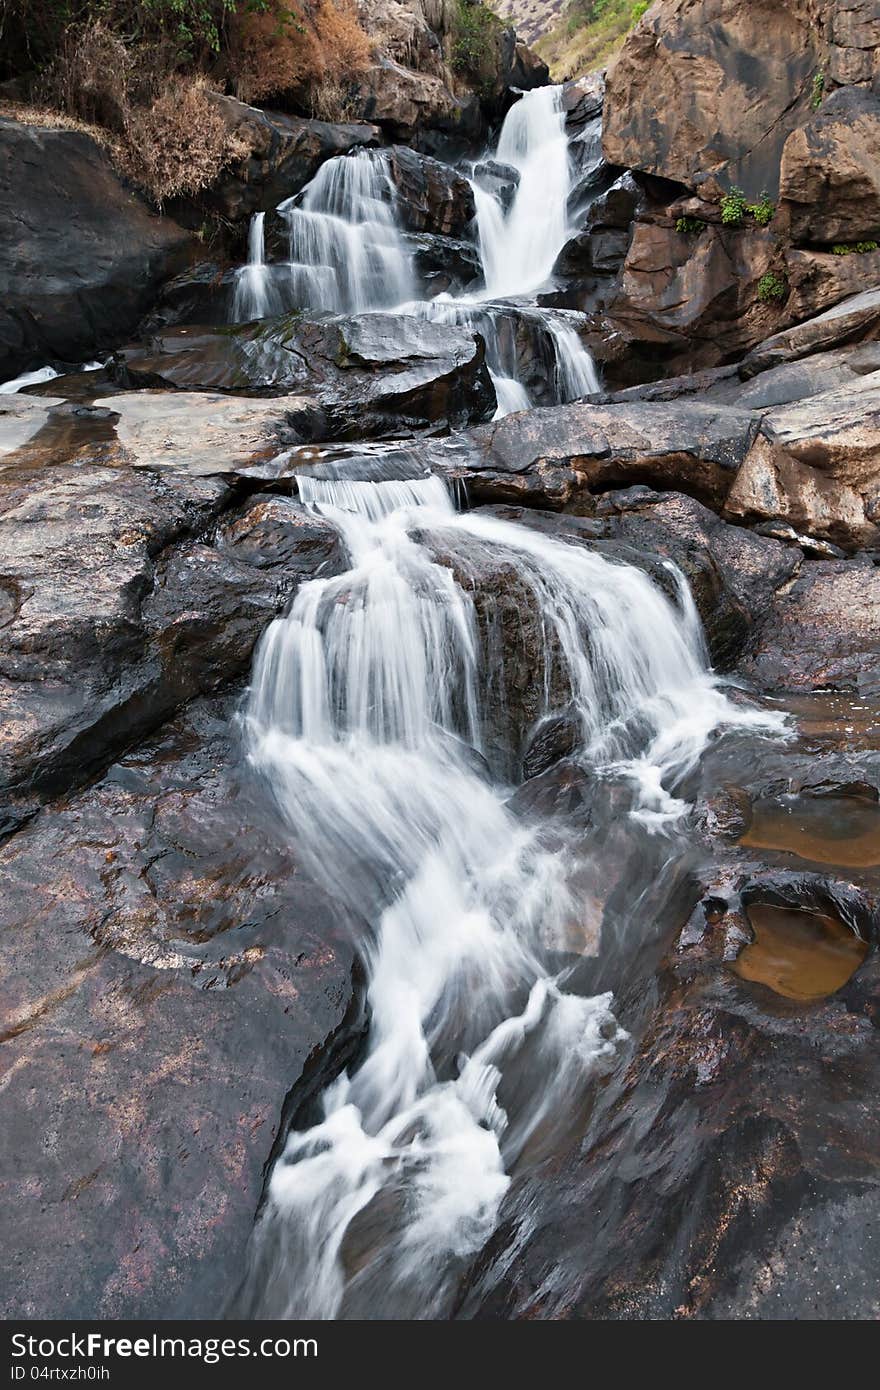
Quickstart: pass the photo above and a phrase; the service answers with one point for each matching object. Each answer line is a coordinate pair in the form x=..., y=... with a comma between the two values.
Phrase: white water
x=10, y=388
x=255, y=295
x=347, y=254
x=364, y=715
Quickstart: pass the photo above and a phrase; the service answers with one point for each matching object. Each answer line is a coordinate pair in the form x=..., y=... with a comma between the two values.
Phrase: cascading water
x=519, y=249
x=255, y=295
x=347, y=254
x=365, y=717
x=346, y=251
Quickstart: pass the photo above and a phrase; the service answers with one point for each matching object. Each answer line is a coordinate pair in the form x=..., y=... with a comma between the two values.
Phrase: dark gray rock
x=83, y=256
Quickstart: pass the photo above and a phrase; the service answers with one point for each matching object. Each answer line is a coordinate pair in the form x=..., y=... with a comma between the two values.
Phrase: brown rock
x=854, y=318
x=830, y=174
x=167, y=965
x=816, y=463
x=711, y=89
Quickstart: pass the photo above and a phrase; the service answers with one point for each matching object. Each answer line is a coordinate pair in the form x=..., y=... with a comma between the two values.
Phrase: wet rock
x=501, y=180
x=582, y=99
x=167, y=963
x=708, y=1183
x=528, y=70
x=733, y=575
x=431, y=196
x=121, y=607
x=735, y=81
x=682, y=444
x=281, y=154
x=370, y=375
x=829, y=180
x=554, y=739
x=443, y=264
x=202, y=294
x=822, y=632
x=816, y=464
x=83, y=255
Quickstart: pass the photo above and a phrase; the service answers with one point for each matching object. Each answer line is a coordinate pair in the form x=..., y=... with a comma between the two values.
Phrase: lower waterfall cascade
x=365, y=718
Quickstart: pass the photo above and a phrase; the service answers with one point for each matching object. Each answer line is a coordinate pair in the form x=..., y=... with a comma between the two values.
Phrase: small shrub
x=638, y=9
x=689, y=226
x=771, y=287
x=283, y=47
x=179, y=144
x=733, y=208
x=474, y=41
x=89, y=77
x=763, y=210
x=818, y=89
x=859, y=248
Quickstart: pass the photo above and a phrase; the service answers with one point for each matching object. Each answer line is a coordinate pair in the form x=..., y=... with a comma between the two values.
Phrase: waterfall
x=365, y=717
x=347, y=253
x=519, y=249
x=255, y=295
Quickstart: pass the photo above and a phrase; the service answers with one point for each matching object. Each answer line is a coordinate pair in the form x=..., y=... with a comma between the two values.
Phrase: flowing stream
x=376, y=712
x=367, y=719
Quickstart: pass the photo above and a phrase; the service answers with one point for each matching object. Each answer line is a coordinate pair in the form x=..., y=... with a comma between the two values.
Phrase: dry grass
x=47, y=118
x=292, y=47
x=180, y=143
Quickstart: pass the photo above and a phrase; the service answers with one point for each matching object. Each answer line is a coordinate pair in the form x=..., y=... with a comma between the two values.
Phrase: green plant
x=818, y=90
x=859, y=248
x=689, y=226
x=733, y=207
x=762, y=211
x=772, y=286
x=475, y=33
x=638, y=9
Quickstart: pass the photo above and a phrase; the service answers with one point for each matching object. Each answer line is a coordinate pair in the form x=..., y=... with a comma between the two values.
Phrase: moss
x=689, y=226
x=818, y=89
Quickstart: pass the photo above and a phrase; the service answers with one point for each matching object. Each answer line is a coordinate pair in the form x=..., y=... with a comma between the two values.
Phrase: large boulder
x=281, y=153
x=816, y=464
x=401, y=100
x=365, y=375
x=554, y=455
x=852, y=319
x=829, y=180
x=171, y=983
x=431, y=196
x=83, y=256
x=122, y=600
x=709, y=88
x=823, y=632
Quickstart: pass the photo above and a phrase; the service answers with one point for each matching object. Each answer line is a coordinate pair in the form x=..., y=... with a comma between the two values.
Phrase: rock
x=733, y=575
x=816, y=464
x=501, y=180
x=283, y=154
x=751, y=1186
x=795, y=381
x=401, y=100
x=591, y=448
x=852, y=319
x=528, y=70
x=711, y=90
x=855, y=45
x=368, y=375
x=202, y=434
x=83, y=256
x=582, y=99
x=829, y=180
x=202, y=294
x=165, y=960
x=120, y=606
x=431, y=196
x=444, y=264
x=823, y=632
